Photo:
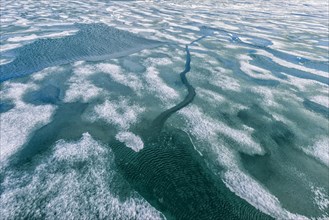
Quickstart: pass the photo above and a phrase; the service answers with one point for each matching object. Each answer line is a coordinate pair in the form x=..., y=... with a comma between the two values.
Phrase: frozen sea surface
x=164, y=109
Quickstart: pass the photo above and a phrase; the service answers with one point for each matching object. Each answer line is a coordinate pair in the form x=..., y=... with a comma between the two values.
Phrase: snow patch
x=80, y=87
x=120, y=113
x=319, y=150
x=18, y=123
x=119, y=76
x=76, y=181
x=131, y=140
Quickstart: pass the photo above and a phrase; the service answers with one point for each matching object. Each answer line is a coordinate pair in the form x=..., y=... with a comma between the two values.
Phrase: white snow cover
x=19, y=122
x=131, y=140
x=58, y=189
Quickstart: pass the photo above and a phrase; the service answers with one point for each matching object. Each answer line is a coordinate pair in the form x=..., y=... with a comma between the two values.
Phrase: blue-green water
x=164, y=110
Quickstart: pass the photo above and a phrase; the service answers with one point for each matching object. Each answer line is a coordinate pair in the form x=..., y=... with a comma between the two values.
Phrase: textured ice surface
x=131, y=140
x=259, y=119
x=117, y=75
x=91, y=42
x=56, y=188
x=319, y=150
x=207, y=128
x=120, y=113
x=80, y=87
x=17, y=123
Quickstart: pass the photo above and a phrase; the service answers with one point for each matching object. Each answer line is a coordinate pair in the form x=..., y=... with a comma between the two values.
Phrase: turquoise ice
x=164, y=109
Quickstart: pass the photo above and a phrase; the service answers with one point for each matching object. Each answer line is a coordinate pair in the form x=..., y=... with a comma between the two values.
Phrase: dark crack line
x=159, y=121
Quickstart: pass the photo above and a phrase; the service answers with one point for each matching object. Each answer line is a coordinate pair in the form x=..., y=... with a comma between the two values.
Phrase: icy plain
x=84, y=83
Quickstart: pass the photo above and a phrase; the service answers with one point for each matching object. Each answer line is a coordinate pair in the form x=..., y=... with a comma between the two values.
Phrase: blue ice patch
x=46, y=95
x=92, y=42
x=6, y=106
